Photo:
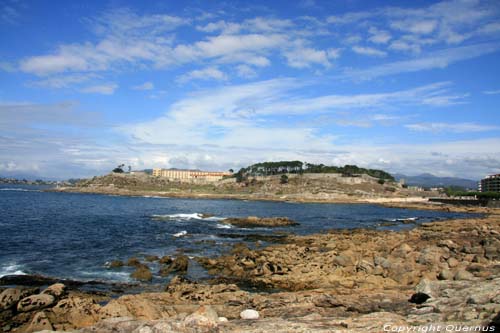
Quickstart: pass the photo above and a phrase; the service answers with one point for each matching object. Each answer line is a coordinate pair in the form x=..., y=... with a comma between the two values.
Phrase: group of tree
x=298, y=167
x=453, y=192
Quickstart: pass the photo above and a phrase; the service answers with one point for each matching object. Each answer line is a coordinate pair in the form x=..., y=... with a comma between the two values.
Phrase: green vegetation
x=298, y=167
x=284, y=179
x=480, y=195
x=119, y=169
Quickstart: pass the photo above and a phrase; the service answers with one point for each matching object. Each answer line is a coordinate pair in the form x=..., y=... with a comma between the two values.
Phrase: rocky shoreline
x=441, y=273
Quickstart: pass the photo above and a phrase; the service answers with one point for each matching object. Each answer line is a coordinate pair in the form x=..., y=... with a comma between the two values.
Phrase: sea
x=75, y=236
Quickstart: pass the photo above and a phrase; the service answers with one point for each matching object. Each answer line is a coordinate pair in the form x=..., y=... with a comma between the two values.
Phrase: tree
x=119, y=169
x=231, y=170
x=284, y=179
x=381, y=181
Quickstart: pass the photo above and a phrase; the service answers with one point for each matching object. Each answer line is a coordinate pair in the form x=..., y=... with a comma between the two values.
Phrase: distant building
x=490, y=184
x=190, y=175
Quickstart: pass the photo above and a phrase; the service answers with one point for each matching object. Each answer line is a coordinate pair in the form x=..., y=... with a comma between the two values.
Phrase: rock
x=452, y=262
x=133, y=262
x=142, y=273
x=178, y=265
x=151, y=258
x=57, y=290
x=424, y=287
x=249, y=314
x=115, y=264
x=445, y=274
x=205, y=316
x=165, y=260
x=11, y=296
x=223, y=320
x=343, y=260
x=39, y=322
x=77, y=311
x=254, y=221
x=462, y=274
x=35, y=302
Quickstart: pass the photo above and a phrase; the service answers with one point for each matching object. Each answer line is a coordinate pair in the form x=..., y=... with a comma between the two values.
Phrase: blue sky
x=408, y=87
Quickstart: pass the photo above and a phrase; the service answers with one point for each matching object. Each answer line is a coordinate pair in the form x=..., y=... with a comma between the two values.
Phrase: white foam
x=12, y=269
x=185, y=217
x=180, y=233
x=18, y=189
x=224, y=226
x=407, y=219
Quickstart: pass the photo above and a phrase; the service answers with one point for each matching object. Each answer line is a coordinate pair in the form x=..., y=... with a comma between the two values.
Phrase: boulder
x=178, y=265
x=77, y=311
x=57, y=290
x=151, y=258
x=133, y=262
x=115, y=264
x=462, y=274
x=142, y=273
x=249, y=314
x=165, y=260
x=205, y=316
x=39, y=322
x=35, y=302
x=254, y=221
x=11, y=296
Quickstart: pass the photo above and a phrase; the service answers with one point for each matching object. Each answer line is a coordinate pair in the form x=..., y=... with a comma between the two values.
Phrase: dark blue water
x=69, y=235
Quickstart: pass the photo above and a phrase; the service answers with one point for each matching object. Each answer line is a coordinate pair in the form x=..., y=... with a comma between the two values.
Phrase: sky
x=405, y=86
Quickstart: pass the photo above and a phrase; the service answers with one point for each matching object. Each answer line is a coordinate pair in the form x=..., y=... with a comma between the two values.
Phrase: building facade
x=490, y=184
x=190, y=175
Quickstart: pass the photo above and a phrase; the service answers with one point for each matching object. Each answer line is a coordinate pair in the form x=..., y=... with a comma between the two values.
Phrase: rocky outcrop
x=346, y=280
x=35, y=302
x=254, y=221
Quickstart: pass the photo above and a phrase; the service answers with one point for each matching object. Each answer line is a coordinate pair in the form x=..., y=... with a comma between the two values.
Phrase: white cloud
x=303, y=57
x=491, y=92
x=63, y=81
x=415, y=26
x=246, y=71
x=379, y=36
x=369, y=51
x=208, y=73
x=145, y=86
x=103, y=89
x=449, y=127
x=439, y=59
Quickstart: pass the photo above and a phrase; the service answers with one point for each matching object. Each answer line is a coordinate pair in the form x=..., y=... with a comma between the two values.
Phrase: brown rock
x=11, y=296
x=165, y=260
x=151, y=258
x=254, y=221
x=133, y=262
x=205, y=317
x=57, y=290
x=77, y=311
x=35, y=302
x=462, y=274
x=39, y=322
x=142, y=273
x=178, y=265
x=116, y=264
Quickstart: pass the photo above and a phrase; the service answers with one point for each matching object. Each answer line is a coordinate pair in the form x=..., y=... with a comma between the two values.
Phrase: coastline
x=344, y=280
x=295, y=198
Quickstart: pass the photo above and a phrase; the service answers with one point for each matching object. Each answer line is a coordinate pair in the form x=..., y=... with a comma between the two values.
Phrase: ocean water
x=74, y=236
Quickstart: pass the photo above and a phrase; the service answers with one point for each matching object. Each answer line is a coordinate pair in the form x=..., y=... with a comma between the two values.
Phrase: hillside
x=429, y=180
x=299, y=187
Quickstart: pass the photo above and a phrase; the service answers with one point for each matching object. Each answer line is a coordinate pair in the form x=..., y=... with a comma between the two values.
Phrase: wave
x=405, y=219
x=180, y=233
x=223, y=226
x=18, y=189
x=186, y=217
x=12, y=269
